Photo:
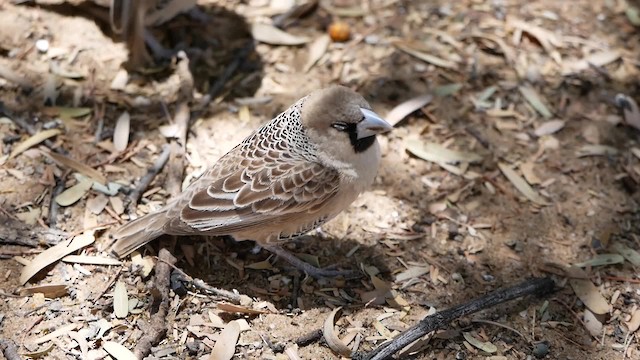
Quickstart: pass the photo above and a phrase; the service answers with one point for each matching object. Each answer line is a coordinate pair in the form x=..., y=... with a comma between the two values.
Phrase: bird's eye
x=340, y=126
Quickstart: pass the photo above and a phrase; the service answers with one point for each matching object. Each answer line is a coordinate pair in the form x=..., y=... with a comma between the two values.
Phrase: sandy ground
x=462, y=229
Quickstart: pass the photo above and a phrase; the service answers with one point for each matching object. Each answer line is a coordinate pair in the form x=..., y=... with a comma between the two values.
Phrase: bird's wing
x=256, y=183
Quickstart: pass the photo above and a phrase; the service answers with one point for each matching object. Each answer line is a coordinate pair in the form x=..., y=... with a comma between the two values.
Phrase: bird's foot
x=309, y=269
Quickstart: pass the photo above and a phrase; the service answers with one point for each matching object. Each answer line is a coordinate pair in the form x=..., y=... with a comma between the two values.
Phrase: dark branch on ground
x=16, y=232
x=443, y=318
x=143, y=184
x=157, y=327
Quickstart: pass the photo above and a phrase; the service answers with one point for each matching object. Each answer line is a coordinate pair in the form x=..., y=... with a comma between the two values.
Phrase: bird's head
x=340, y=122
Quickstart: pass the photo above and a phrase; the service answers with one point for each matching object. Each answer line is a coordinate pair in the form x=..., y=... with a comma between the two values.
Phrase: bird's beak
x=372, y=124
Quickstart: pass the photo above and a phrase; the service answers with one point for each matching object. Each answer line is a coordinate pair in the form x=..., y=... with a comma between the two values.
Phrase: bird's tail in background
x=137, y=233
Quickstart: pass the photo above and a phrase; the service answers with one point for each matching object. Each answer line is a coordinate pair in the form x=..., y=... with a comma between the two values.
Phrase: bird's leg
x=306, y=267
x=198, y=15
x=159, y=51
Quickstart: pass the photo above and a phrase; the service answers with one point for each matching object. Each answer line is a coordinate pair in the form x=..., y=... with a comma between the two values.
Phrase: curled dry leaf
x=402, y=110
x=484, y=346
x=520, y=184
x=34, y=140
x=54, y=254
x=120, y=300
x=74, y=193
x=332, y=339
x=270, y=34
x=97, y=203
x=316, y=50
x=590, y=296
x=549, y=127
x=529, y=173
x=225, y=346
x=117, y=351
x=121, y=132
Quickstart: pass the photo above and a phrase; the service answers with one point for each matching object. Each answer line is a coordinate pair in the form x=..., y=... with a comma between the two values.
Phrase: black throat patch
x=359, y=145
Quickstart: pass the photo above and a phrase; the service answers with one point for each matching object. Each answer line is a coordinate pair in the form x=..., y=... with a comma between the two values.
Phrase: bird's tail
x=137, y=233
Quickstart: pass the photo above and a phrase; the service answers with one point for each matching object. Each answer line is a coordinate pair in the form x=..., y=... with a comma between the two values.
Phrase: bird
x=131, y=19
x=288, y=177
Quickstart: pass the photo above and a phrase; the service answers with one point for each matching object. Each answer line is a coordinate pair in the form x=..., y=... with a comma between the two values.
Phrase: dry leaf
x=412, y=272
x=592, y=323
x=226, y=344
x=402, y=110
x=634, y=323
x=74, y=193
x=439, y=154
x=49, y=290
x=520, y=184
x=77, y=166
x=330, y=336
x=55, y=253
x=34, y=140
x=97, y=204
x=414, y=49
x=240, y=309
x=533, y=98
x=121, y=132
x=58, y=332
x=66, y=113
x=120, y=300
x=316, y=50
x=590, y=296
x=549, y=127
x=117, y=351
x=596, y=150
x=484, y=346
x=629, y=254
x=529, y=174
x=598, y=59
x=272, y=35
x=602, y=259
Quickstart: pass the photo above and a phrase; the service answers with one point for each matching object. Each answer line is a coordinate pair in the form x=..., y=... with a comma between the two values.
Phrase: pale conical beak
x=372, y=124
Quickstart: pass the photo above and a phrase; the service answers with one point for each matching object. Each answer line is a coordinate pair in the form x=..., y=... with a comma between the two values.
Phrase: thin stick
x=135, y=194
x=441, y=319
x=200, y=284
x=157, y=326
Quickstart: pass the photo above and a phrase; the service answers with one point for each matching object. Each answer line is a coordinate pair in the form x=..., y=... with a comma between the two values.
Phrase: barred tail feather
x=137, y=233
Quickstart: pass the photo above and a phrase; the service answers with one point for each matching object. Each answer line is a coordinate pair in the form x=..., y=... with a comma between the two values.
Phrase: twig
x=18, y=233
x=136, y=193
x=157, y=326
x=200, y=284
x=309, y=338
x=240, y=57
x=441, y=319
x=30, y=129
x=9, y=350
x=108, y=285
x=53, y=205
x=181, y=121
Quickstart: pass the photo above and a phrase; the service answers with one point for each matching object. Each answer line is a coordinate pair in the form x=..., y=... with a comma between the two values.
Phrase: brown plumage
x=288, y=177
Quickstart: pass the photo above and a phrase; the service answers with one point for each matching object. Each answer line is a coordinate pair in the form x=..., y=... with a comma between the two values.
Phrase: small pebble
x=42, y=45
x=541, y=350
